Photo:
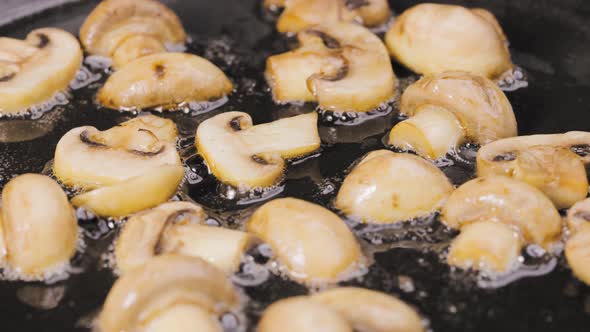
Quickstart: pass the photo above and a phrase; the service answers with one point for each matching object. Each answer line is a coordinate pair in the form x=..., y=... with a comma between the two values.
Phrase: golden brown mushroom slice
x=547, y=162
x=301, y=14
x=578, y=216
x=434, y=38
x=449, y=108
x=502, y=199
x=88, y=158
x=38, y=226
x=312, y=242
x=388, y=187
x=577, y=253
x=128, y=29
x=164, y=80
x=166, y=289
x=342, y=66
x=178, y=227
x=34, y=69
x=247, y=156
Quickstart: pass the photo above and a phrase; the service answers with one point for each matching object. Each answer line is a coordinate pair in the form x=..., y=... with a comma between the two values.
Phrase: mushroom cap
x=311, y=241
x=388, y=187
x=164, y=282
x=166, y=80
x=184, y=318
x=502, y=199
x=577, y=253
x=33, y=70
x=434, y=38
x=578, y=216
x=480, y=106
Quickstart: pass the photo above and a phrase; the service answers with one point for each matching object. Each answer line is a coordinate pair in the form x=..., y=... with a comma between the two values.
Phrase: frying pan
x=550, y=40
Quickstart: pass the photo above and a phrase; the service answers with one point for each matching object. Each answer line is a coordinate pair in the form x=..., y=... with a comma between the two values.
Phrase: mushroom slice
x=129, y=29
x=177, y=227
x=167, y=282
x=449, y=108
x=247, y=156
x=164, y=80
x=388, y=187
x=342, y=66
x=34, y=69
x=301, y=14
x=313, y=243
x=371, y=311
x=578, y=216
x=486, y=245
x=577, y=253
x=88, y=158
x=38, y=226
x=184, y=318
x=434, y=38
x=135, y=194
x=547, y=162
x=505, y=200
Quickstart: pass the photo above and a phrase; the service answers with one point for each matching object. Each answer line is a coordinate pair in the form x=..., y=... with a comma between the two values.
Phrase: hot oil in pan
x=407, y=259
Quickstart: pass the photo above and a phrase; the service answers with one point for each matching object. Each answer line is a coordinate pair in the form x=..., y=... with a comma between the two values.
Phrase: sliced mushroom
x=547, y=162
x=313, y=243
x=388, y=187
x=505, y=200
x=163, y=289
x=577, y=253
x=88, y=158
x=164, y=80
x=301, y=14
x=371, y=311
x=38, y=226
x=184, y=318
x=578, y=216
x=135, y=194
x=33, y=70
x=450, y=108
x=247, y=156
x=434, y=38
x=486, y=245
x=177, y=227
x=129, y=29
x=342, y=66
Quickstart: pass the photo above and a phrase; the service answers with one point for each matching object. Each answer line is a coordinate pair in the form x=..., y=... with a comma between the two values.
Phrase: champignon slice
x=449, y=108
x=135, y=194
x=247, y=156
x=577, y=253
x=38, y=226
x=184, y=318
x=342, y=66
x=434, y=38
x=578, y=216
x=505, y=200
x=388, y=187
x=128, y=29
x=164, y=80
x=34, y=69
x=164, y=283
x=88, y=158
x=486, y=245
x=301, y=14
x=547, y=162
x=313, y=243
x=371, y=311
x=177, y=227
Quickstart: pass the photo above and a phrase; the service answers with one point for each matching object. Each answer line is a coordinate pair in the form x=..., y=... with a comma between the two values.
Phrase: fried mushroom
x=165, y=80
x=128, y=29
x=548, y=162
x=34, y=69
x=578, y=216
x=577, y=253
x=450, y=108
x=388, y=187
x=342, y=66
x=434, y=38
x=247, y=156
x=312, y=242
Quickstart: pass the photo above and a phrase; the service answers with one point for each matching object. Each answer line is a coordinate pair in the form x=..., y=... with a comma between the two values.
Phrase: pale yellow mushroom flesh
x=247, y=156
x=578, y=216
x=38, y=226
x=344, y=67
x=434, y=38
x=577, y=253
x=388, y=187
x=35, y=69
x=310, y=241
